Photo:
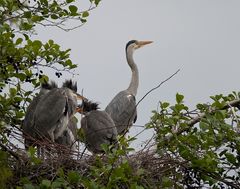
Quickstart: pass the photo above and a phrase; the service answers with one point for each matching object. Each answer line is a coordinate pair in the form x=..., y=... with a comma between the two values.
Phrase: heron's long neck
x=133, y=86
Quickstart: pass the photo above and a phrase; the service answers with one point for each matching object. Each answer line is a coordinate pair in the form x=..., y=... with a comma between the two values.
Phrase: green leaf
x=73, y=177
x=28, y=186
x=44, y=79
x=97, y=2
x=85, y=14
x=45, y=2
x=26, y=26
x=51, y=42
x=26, y=36
x=46, y=183
x=54, y=16
x=164, y=105
x=167, y=183
x=28, y=14
x=204, y=126
x=73, y=8
x=70, y=1
x=13, y=91
x=21, y=76
x=36, y=18
x=19, y=41
x=36, y=45
x=179, y=98
x=231, y=158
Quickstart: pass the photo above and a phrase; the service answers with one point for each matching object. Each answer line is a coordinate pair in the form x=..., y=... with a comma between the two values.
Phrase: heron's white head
x=134, y=44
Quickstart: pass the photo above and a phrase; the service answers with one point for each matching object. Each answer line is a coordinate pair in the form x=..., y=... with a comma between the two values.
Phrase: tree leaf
x=73, y=8
x=19, y=41
x=179, y=98
x=70, y=1
x=28, y=14
x=85, y=14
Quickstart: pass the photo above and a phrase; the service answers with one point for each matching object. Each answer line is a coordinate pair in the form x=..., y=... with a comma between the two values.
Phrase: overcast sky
x=200, y=37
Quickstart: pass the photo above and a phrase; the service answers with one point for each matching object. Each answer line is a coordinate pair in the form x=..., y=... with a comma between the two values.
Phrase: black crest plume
x=49, y=86
x=71, y=85
x=88, y=106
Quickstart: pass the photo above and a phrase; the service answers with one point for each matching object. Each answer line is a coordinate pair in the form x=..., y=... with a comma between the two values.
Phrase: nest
x=56, y=159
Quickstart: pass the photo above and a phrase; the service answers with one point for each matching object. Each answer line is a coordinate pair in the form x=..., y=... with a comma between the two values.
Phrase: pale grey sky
x=201, y=37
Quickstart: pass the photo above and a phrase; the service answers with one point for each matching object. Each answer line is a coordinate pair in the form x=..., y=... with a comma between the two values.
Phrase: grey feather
x=49, y=115
x=28, y=123
x=98, y=128
x=122, y=110
x=69, y=136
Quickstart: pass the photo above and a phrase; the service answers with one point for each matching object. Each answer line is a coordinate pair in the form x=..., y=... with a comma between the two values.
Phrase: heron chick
x=98, y=127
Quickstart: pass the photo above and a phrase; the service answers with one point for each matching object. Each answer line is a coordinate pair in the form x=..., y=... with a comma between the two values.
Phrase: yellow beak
x=80, y=97
x=143, y=43
x=79, y=110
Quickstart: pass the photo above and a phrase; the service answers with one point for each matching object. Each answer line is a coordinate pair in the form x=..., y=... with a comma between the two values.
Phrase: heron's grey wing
x=72, y=125
x=28, y=123
x=29, y=116
x=99, y=129
x=50, y=110
x=122, y=110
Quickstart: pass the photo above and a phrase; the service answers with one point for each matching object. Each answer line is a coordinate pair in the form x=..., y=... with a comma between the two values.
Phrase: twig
x=157, y=87
x=15, y=155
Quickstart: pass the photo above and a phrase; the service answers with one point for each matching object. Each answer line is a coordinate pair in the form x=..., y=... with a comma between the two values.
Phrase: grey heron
x=69, y=135
x=98, y=127
x=51, y=111
x=54, y=111
x=122, y=108
x=28, y=123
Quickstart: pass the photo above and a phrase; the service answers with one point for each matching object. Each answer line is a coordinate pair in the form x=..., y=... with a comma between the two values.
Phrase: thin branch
x=153, y=89
x=15, y=155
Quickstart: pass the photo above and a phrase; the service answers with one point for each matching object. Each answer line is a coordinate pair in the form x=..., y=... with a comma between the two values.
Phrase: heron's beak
x=80, y=97
x=79, y=110
x=143, y=43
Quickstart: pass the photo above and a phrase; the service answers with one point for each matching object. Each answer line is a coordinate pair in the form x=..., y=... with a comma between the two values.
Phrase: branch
x=157, y=87
x=4, y=148
x=192, y=122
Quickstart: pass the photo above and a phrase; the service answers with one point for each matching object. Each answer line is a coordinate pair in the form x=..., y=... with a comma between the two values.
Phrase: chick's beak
x=79, y=109
x=143, y=43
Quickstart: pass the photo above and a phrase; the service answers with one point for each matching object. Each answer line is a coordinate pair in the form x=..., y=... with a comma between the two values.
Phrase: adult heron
x=98, y=127
x=69, y=135
x=55, y=110
x=122, y=108
x=28, y=123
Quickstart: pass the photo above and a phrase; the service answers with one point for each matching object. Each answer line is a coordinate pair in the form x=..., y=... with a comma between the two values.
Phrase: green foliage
x=5, y=173
x=24, y=61
x=194, y=148
x=205, y=140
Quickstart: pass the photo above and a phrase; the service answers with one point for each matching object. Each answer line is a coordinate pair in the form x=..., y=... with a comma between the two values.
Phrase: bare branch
x=153, y=89
x=4, y=148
